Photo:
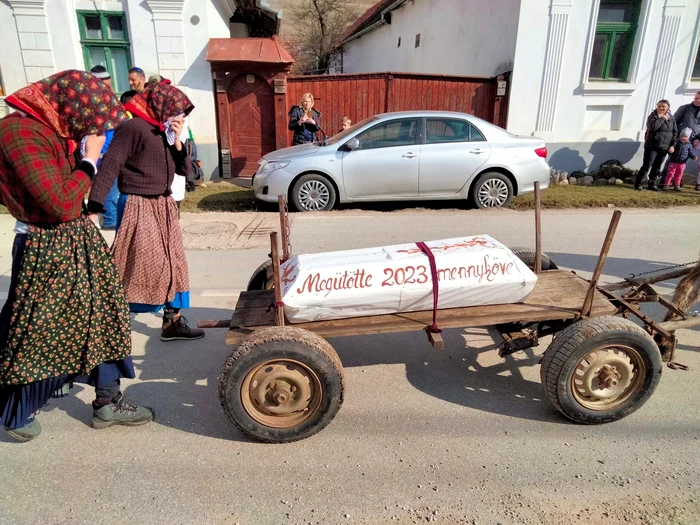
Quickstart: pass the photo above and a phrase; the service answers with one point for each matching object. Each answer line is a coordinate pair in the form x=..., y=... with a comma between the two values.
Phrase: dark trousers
x=653, y=159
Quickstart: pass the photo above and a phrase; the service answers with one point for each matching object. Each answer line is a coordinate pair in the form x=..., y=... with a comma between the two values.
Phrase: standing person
x=109, y=217
x=145, y=154
x=66, y=318
x=661, y=134
x=196, y=177
x=137, y=82
x=154, y=79
x=683, y=150
x=688, y=116
x=303, y=121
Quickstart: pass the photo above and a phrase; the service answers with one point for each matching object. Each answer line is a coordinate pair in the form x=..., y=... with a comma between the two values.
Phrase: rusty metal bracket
x=517, y=341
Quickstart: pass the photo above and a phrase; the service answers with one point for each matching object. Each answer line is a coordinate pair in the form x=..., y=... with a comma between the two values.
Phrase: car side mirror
x=352, y=144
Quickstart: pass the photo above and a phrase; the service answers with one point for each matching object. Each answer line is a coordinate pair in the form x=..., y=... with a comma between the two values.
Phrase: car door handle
x=409, y=155
x=477, y=151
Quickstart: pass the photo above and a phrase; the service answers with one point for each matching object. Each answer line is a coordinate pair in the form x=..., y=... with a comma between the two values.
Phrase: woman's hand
x=176, y=126
x=93, y=147
x=311, y=121
x=665, y=116
x=671, y=149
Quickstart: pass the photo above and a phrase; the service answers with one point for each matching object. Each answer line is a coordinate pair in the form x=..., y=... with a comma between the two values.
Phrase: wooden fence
x=359, y=96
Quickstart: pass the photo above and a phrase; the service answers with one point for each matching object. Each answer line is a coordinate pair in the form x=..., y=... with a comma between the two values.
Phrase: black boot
x=652, y=186
x=175, y=327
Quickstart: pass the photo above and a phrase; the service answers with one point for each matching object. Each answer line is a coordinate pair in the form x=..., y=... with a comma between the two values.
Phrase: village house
x=585, y=73
x=168, y=37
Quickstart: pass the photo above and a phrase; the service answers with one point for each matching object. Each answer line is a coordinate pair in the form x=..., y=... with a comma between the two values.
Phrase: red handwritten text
x=355, y=280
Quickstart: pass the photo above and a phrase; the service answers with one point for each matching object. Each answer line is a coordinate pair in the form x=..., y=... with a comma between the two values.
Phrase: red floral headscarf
x=158, y=103
x=72, y=103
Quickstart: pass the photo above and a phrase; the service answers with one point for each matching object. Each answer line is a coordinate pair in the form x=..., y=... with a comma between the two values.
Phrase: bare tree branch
x=318, y=28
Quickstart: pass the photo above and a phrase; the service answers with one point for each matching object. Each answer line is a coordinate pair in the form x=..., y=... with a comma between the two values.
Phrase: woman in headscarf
x=66, y=317
x=145, y=154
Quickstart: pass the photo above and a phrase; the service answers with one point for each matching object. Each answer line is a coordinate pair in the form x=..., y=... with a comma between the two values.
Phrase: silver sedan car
x=413, y=155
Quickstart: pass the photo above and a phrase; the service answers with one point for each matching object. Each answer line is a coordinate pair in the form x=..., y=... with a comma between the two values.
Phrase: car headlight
x=272, y=166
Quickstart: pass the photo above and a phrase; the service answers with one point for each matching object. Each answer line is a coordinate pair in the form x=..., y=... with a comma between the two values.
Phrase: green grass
x=221, y=196
x=228, y=197
x=622, y=196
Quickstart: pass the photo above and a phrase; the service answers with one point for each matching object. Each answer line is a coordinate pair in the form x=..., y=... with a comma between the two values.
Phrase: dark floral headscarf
x=160, y=102
x=72, y=103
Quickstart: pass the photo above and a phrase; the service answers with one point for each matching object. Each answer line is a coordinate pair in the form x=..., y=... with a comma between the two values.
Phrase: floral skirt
x=65, y=319
x=149, y=253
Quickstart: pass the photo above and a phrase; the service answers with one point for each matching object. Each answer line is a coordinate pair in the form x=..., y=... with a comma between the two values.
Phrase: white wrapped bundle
x=471, y=271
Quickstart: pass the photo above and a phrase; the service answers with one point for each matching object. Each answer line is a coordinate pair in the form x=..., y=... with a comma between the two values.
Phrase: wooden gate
x=359, y=96
x=252, y=125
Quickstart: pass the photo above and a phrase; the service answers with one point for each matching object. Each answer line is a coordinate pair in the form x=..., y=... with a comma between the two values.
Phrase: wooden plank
x=557, y=295
x=255, y=299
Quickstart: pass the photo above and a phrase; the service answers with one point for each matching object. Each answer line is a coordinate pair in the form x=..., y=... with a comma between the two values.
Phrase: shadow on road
x=467, y=372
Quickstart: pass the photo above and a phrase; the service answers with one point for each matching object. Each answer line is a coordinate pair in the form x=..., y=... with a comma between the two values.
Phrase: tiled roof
x=267, y=50
x=369, y=17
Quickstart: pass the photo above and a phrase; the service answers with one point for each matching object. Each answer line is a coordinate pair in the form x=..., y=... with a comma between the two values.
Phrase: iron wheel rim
x=587, y=388
x=281, y=393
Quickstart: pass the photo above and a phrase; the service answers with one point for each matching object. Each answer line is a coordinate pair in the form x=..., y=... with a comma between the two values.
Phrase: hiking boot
x=639, y=188
x=121, y=411
x=175, y=328
x=677, y=188
x=665, y=188
x=653, y=187
x=28, y=432
x=697, y=187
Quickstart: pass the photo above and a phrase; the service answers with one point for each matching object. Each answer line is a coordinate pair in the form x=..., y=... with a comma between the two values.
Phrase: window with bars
x=614, y=39
x=105, y=41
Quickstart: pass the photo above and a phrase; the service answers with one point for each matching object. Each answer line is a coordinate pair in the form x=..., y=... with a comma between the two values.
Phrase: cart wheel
x=527, y=255
x=282, y=384
x=600, y=370
x=262, y=278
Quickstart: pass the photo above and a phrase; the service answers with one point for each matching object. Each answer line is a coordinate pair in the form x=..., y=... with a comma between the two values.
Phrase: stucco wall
x=179, y=54
x=457, y=37
x=584, y=122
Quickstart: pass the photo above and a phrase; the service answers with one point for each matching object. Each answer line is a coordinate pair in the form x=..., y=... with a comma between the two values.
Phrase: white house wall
x=177, y=51
x=585, y=123
x=458, y=37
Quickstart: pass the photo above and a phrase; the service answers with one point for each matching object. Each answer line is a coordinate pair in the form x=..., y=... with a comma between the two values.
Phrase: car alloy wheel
x=314, y=195
x=492, y=193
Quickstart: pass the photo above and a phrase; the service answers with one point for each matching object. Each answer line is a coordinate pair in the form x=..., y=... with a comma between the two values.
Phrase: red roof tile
x=368, y=18
x=267, y=50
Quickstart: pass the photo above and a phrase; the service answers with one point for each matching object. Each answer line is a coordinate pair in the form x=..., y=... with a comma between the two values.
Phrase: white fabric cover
x=475, y=270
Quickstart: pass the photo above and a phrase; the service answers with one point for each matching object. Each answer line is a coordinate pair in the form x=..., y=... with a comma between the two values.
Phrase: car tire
x=527, y=255
x=492, y=190
x=572, y=364
x=313, y=192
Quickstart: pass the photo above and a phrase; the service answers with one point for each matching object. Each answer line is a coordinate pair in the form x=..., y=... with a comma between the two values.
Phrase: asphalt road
x=459, y=436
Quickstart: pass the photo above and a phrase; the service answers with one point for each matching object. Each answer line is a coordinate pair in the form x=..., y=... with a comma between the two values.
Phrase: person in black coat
x=661, y=135
x=303, y=121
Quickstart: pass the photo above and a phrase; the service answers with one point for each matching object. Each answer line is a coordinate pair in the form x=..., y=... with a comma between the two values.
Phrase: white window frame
x=616, y=88
x=692, y=86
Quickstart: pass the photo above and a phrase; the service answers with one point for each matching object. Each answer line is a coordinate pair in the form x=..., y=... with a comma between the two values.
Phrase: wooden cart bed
x=557, y=295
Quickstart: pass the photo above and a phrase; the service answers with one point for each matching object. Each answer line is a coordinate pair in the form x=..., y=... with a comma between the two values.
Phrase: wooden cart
x=284, y=383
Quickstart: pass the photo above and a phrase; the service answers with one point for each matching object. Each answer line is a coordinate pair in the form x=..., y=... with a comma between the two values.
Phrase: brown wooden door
x=252, y=123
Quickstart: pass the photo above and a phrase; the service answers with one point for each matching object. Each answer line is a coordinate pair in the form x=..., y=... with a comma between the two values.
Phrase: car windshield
x=347, y=132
